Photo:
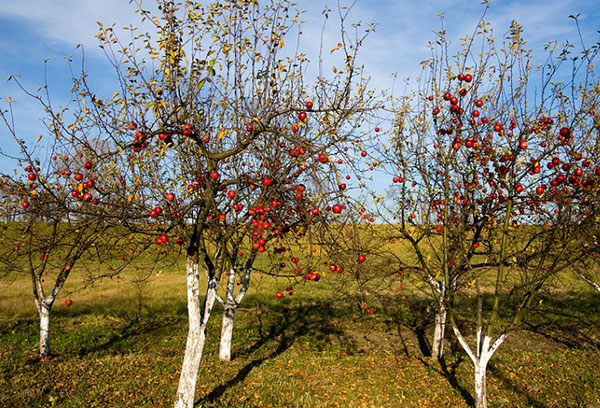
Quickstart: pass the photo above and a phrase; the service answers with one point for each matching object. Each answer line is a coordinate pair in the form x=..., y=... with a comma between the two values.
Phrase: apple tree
x=493, y=169
x=219, y=142
x=58, y=218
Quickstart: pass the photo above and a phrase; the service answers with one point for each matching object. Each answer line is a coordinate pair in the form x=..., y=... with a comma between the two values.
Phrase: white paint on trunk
x=480, y=359
x=197, y=320
x=480, y=387
x=230, y=307
x=437, y=349
x=227, y=333
x=44, y=313
x=589, y=280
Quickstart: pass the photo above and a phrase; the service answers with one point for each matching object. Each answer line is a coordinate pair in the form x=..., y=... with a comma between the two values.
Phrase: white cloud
x=69, y=22
x=52, y=28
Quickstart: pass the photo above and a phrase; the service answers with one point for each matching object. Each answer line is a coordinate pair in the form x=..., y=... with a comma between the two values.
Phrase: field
x=121, y=345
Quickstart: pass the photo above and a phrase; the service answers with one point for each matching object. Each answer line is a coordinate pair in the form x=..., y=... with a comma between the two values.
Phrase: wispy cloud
x=31, y=30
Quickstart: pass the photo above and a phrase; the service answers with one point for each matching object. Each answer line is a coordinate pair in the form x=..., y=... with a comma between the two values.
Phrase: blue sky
x=32, y=30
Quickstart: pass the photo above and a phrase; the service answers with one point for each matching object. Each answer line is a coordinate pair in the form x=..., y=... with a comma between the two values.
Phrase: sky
x=33, y=30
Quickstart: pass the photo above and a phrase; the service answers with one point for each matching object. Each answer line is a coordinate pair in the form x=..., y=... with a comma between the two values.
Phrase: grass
x=121, y=345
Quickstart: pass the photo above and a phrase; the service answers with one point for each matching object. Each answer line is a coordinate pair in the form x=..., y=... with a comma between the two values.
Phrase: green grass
x=114, y=348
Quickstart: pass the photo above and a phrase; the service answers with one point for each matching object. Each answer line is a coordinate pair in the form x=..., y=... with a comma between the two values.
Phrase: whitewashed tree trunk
x=197, y=320
x=437, y=348
x=229, y=309
x=588, y=280
x=480, y=358
x=439, y=330
x=44, y=314
x=230, y=306
x=227, y=332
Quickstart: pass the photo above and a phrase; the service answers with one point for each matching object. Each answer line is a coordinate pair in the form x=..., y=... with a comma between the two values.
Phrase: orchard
x=231, y=171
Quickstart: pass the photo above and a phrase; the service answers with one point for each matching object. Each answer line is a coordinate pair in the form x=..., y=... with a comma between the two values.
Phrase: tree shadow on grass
x=531, y=401
x=119, y=336
x=289, y=325
x=448, y=371
x=411, y=317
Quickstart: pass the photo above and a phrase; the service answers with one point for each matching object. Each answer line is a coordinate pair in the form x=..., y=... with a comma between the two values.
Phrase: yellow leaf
x=38, y=138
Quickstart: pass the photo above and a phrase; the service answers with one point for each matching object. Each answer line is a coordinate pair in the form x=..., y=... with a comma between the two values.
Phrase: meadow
x=121, y=345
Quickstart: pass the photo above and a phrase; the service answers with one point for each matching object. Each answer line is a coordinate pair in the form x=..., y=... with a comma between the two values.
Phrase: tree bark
x=230, y=306
x=44, y=313
x=196, y=338
x=480, y=385
x=588, y=280
x=437, y=348
x=480, y=358
x=227, y=332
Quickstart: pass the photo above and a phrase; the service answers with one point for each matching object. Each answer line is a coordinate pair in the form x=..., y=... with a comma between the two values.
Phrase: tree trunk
x=197, y=320
x=437, y=348
x=480, y=358
x=480, y=388
x=229, y=309
x=588, y=280
x=44, y=313
x=227, y=332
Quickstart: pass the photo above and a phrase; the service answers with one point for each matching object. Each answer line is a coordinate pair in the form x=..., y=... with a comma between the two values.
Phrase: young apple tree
x=220, y=142
x=56, y=220
x=493, y=174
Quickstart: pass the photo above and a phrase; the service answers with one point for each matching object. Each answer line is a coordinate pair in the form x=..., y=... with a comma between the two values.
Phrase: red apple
x=68, y=302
